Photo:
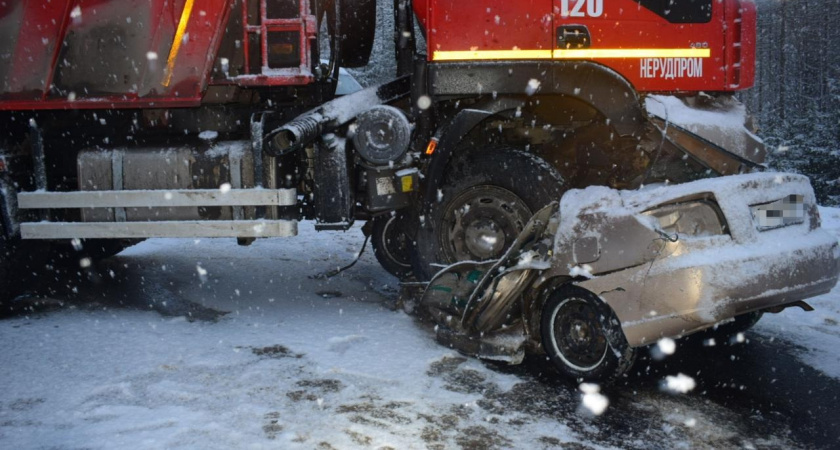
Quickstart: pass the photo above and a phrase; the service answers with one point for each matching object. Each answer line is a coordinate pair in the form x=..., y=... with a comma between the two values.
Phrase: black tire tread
x=378, y=242
x=619, y=357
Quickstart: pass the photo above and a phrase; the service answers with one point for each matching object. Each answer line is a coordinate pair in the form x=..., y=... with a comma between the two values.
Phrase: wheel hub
x=485, y=238
x=481, y=223
x=578, y=335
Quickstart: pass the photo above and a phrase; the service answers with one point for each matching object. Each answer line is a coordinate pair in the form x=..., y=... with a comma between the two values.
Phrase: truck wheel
x=23, y=264
x=392, y=245
x=357, y=26
x=583, y=337
x=65, y=254
x=486, y=200
x=6, y=253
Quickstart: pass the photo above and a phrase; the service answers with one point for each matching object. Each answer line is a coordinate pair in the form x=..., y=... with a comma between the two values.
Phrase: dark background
x=796, y=99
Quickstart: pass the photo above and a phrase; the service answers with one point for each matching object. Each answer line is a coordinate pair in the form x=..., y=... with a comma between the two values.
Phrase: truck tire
x=24, y=266
x=28, y=266
x=583, y=338
x=357, y=26
x=66, y=255
x=392, y=246
x=6, y=253
x=485, y=202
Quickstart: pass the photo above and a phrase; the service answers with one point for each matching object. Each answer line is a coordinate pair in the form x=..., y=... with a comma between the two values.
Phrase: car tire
x=583, y=338
x=392, y=245
x=486, y=200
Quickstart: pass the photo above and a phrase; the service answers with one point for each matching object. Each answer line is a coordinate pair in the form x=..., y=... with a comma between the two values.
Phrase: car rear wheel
x=582, y=336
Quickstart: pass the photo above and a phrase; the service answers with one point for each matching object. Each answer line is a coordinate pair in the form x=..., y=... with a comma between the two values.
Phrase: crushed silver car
x=605, y=272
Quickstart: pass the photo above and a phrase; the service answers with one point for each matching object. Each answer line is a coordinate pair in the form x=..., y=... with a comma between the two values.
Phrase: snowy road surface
x=328, y=364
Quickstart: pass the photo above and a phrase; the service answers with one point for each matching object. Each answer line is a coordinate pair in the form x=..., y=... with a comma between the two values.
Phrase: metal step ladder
x=292, y=36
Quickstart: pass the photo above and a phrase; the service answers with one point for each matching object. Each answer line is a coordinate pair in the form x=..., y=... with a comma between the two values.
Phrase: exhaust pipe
x=297, y=134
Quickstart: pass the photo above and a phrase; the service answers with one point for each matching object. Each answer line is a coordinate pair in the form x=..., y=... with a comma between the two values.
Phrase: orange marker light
x=432, y=146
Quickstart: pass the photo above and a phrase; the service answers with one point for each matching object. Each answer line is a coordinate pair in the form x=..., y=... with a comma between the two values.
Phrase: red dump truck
x=127, y=119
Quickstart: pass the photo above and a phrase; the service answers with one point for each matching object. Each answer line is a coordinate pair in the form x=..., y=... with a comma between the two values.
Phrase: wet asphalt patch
x=106, y=284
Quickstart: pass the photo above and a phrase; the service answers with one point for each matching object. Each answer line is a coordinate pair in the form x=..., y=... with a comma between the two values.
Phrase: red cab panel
x=493, y=25
x=657, y=45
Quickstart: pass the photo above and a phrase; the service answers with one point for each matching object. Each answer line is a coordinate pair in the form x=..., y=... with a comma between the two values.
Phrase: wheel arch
x=450, y=136
x=604, y=89
x=564, y=85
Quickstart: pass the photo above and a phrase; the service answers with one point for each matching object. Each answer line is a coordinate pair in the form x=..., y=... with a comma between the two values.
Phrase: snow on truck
x=124, y=120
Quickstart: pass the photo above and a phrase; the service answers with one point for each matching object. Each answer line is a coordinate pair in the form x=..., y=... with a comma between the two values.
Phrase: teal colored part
x=458, y=302
x=474, y=276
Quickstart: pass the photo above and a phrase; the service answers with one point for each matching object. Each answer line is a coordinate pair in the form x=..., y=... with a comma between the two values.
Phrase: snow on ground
x=324, y=364
x=298, y=363
x=817, y=332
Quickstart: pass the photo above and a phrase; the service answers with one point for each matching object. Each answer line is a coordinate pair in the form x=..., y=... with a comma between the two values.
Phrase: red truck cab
x=657, y=45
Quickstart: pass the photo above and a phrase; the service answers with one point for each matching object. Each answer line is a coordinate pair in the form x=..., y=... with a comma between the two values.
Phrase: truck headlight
x=693, y=218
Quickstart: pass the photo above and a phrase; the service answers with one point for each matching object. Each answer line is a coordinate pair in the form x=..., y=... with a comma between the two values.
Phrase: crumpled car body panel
x=669, y=260
x=663, y=285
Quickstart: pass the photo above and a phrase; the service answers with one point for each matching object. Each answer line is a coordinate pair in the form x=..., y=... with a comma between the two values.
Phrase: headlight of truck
x=693, y=218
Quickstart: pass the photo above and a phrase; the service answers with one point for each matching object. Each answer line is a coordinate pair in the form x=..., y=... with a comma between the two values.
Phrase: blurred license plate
x=783, y=212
